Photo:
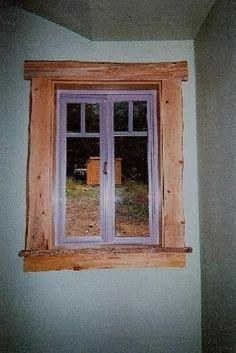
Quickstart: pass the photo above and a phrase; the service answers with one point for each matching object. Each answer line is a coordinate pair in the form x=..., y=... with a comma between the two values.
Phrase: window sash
x=107, y=135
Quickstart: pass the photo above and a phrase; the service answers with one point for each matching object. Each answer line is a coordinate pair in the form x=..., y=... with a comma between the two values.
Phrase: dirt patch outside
x=82, y=209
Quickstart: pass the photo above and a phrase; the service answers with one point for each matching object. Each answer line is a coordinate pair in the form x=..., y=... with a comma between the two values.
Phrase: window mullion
x=110, y=170
x=82, y=113
x=103, y=177
x=131, y=120
x=152, y=170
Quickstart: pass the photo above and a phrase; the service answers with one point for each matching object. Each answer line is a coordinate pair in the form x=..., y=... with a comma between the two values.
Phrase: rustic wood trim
x=40, y=166
x=103, y=260
x=115, y=72
x=172, y=169
x=46, y=78
x=111, y=249
x=108, y=85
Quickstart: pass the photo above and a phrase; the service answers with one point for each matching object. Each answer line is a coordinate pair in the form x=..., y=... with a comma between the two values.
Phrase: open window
x=104, y=185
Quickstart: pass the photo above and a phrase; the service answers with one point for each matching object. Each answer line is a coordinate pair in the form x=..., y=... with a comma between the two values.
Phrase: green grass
x=76, y=188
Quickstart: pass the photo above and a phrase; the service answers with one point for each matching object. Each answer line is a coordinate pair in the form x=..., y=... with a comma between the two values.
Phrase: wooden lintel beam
x=105, y=72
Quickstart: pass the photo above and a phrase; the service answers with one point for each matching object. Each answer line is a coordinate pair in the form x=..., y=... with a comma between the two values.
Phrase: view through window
x=107, y=167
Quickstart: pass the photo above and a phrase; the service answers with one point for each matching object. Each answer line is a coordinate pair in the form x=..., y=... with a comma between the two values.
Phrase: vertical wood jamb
x=28, y=165
x=53, y=144
x=40, y=166
x=172, y=164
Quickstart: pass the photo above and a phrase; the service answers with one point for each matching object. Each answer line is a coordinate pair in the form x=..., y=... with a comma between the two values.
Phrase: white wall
x=119, y=311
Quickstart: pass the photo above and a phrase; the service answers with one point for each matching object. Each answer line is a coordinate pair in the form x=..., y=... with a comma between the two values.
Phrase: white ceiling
x=124, y=19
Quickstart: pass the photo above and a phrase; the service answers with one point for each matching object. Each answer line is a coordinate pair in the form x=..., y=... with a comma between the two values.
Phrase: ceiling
x=124, y=19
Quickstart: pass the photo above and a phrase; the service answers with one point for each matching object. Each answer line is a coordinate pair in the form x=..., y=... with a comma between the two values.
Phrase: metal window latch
x=105, y=167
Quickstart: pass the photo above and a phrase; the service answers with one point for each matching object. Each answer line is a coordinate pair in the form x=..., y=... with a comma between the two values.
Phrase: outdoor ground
x=82, y=209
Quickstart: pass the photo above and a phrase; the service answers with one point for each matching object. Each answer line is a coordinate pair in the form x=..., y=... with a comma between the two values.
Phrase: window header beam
x=102, y=72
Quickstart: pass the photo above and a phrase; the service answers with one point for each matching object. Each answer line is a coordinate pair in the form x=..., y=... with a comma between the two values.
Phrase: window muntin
x=106, y=213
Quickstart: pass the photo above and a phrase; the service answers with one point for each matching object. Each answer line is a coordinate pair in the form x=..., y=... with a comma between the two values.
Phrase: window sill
x=108, y=256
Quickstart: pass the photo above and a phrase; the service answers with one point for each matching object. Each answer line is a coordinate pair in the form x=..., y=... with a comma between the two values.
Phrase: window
x=107, y=157
x=104, y=186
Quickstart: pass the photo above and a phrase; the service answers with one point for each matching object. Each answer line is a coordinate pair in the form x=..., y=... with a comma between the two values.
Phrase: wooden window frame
x=46, y=77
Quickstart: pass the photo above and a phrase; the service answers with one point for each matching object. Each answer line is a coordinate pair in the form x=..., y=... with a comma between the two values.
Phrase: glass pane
x=73, y=117
x=140, y=116
x=92, y=117
x=121, y=116
x=82, y=187
x=131, y=190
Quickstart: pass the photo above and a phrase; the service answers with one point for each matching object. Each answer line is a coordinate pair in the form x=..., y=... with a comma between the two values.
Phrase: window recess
x=87, y=121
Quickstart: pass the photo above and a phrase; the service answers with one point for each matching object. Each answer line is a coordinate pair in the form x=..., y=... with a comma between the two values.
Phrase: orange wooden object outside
x=93, y=171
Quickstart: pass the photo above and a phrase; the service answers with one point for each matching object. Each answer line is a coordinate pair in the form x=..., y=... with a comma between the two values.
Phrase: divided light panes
x=107, y=167
x=131, y=190
x=82, y=153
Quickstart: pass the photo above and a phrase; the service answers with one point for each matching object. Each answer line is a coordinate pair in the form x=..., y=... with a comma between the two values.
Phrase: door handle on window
x=105, y=167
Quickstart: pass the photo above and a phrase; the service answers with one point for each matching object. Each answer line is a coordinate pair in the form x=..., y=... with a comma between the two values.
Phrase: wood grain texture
x=40, y=254
x=40, y=166
x=103, y=260
x=115, y=72
x=99, y=249
x=76, y=85
x=172, y=159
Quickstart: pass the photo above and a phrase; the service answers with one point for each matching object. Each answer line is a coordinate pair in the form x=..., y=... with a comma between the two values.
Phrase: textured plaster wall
x=216, y=108
x=118, y=311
